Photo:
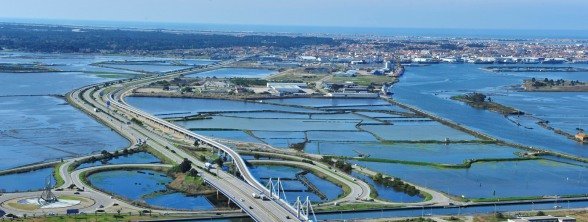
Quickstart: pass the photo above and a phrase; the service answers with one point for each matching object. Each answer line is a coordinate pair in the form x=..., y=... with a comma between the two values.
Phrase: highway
x=156, y=133
x=117, y=115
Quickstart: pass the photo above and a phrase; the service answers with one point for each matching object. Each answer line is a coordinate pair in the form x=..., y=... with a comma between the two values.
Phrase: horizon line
x=31, y=21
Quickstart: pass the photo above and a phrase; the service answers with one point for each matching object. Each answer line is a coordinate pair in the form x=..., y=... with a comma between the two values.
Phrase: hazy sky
x=483, y=14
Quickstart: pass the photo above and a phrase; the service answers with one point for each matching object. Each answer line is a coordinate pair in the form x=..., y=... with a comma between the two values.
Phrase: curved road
x=237, y=190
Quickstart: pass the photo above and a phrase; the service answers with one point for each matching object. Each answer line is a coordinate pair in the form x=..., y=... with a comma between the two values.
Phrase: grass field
x=363, y=80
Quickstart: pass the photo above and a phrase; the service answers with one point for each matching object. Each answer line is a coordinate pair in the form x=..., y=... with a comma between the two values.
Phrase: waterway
x=234, y=72
x=429, y=88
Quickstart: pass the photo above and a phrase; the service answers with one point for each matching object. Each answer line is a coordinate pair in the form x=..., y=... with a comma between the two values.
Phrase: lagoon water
x=429, y=88
x=34, y=129
x=29, y=181
x=146, y=187
x=507, y=179
x=148, y=68
x=42, y=127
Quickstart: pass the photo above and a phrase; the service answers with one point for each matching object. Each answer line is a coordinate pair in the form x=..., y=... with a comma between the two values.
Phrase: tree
x=477, y=97
x=219, y=162
x=378, y=178
x=193, y=172
x=202, y=158
x=197, y=143
x=185, y=165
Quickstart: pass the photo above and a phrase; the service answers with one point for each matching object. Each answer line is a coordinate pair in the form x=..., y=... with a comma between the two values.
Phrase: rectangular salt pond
x=415, y=131
x=282, y=143
x=343, y=116
x=504, y=179
x=228, y=134
x=331, y=190
x=390, y=108
x=341, y=136
x=221, y=122
x=267, y=115
x=453, y=153
x=279, y=134
x=327, y=102
x=188, y=106
x=234, y=72
x=380, y=115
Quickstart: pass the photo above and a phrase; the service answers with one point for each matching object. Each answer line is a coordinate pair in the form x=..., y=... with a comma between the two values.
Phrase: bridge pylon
x=276, y=188
x=304, y=210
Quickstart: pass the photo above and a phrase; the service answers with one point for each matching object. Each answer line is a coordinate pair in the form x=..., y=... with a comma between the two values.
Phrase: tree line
x=63, y=39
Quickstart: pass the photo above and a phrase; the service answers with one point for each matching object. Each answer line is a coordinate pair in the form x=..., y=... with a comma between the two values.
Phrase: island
x=550, y=85
x=481, y=101
x=535, y=69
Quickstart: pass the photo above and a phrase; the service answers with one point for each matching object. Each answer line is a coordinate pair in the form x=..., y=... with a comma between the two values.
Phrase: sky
x=464, y=14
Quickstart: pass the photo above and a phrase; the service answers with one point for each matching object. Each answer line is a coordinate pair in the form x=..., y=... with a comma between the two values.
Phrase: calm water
x=140, y=157
x=29, y=181
x=329, y=189
x=143, y=186
x=44, y=83
x=234, y=72
x=387, y=193
x=429, y=88
x=39, y=128
x=34, y=129
x=507, y=179
x=448, y=211
x=328, y=102
x=229, y=134
x=148, y=68
x=564, y=110
x=221, y=122
x=414, y=131
x=186, y=106
x=435, y=153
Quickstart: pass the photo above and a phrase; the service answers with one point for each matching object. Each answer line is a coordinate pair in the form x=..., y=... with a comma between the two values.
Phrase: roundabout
x=34, y=204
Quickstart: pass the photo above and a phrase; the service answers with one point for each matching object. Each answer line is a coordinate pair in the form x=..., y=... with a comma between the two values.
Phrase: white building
x=286, y=88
